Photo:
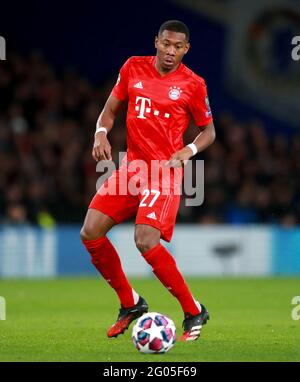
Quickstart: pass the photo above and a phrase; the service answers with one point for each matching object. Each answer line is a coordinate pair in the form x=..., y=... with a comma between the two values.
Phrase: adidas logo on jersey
x=138, y=85
x=152, y=216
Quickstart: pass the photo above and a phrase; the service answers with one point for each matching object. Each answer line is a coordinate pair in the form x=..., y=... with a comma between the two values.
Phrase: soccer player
x=161, y=94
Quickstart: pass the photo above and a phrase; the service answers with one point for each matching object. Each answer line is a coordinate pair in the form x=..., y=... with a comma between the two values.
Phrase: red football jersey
x=159, y=107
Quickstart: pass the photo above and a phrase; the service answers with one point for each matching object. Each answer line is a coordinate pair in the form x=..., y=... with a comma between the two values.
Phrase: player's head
x=175, y=26
x=172, y=43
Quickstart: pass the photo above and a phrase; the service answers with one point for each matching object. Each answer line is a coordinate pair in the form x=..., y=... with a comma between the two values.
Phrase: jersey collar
x=155, y=71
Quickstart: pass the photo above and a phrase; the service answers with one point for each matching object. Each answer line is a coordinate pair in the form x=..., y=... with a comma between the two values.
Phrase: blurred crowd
x=48, y=176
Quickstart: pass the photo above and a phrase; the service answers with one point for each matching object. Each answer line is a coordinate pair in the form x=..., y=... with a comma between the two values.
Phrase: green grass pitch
x=67, y=319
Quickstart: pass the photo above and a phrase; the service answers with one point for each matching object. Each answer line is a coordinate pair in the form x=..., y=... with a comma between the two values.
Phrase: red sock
x=165, y=269
x=106, y=259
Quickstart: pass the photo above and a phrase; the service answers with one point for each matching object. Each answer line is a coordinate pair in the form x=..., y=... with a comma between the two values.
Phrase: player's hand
x=101, y=148
x=180, y=158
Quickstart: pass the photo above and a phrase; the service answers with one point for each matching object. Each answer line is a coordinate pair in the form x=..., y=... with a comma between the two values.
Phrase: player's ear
x=187, y=47
x=156, y=42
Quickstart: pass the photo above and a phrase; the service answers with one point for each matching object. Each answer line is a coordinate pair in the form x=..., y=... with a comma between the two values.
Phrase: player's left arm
x=204, y=139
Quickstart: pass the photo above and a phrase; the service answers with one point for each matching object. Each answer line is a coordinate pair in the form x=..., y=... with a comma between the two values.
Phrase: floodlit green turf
x=66, y=320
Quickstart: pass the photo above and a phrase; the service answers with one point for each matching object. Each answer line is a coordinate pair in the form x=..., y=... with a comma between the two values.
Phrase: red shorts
x=152, y=204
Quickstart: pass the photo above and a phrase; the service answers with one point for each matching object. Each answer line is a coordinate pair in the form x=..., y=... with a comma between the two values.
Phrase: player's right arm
x=102, y=148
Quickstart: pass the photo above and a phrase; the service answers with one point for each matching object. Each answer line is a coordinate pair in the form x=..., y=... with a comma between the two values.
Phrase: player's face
x=171, y=47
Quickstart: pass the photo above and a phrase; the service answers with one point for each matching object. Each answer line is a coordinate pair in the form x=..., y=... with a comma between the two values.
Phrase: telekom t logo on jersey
x=143, y=105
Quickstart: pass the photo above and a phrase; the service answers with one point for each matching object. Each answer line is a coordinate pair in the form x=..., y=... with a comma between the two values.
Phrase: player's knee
x=146, y=237
x=89, y=232
x=144, y=244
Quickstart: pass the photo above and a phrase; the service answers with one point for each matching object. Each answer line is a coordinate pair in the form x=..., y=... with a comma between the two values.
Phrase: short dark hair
x=175, y=26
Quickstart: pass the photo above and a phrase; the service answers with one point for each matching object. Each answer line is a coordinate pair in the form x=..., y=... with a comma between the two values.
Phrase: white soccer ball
x=154, y=333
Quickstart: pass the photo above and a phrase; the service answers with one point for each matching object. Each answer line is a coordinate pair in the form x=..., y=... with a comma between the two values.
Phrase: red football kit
x=159, y=111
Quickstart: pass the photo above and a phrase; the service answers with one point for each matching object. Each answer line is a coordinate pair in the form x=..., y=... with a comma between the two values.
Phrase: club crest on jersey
x=174, y=92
